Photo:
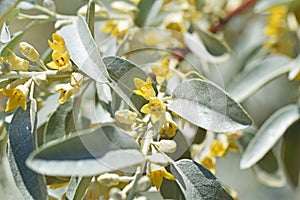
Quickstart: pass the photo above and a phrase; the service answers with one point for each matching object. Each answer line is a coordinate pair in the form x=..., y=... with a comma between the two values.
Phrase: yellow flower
x=209, y=163
x=93, y=191
x=144, y=89
x=155, y=107
x=109, y=26
x=162, y=72
x=58, y=43
x=169, y=128
x=218, y=149
x=121, y=29
x=61, y=61
x=175, y=22
x=66, y=91
x=158, y=175
x=16, y=63
x=17, y=97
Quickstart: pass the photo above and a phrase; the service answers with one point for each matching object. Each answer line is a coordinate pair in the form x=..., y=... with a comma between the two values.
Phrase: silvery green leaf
x=269, y=133
x=208, y=106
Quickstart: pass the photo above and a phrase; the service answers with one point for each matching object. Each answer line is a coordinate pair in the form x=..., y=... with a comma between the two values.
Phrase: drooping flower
x=58, y=43
x=169, y=128
x=17, y=97
x=61, y=61
x=218, y=149
x=155, y=107
x=209, y=162
x=144, y=89
x=66, y=91
x=157, y=177
x=162, y=72
x=60, y=56
x=15, y=62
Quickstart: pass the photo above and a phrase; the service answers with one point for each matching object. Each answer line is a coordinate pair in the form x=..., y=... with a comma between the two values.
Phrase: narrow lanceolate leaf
x=263, y=5
x=268, y=170
x=249, y=81
x=122, y=72
x=56, y=126
x=89, y=153
x=148, y=9
x=83, y=50
x=77, y=187
x=290, y=153
x=213, y=44
x=196, y=182
x=206, y=105
x=269, y=134
x=21, y=137
x=11, y=44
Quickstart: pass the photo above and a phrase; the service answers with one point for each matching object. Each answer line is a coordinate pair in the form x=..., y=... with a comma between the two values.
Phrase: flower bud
x=109, y=179
x=29, y=51
x=116, y=194
x=76, y=80
x=125, y=116
x=144, y=184
x=167, y=146
x=93, y=191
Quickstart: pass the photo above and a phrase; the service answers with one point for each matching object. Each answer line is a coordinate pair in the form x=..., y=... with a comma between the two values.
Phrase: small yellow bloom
x=218, y=149
x=175, y=22
x=169, y=128
x=121, y=29
x=144, y=89
x=16, y=63
x=29, y=51
x=58, y=43
x=158, y=175
x=155, y=107
x=162, y=72
x=109, y=26
x=66, y=91
x=17, y=97
x=209, y=163
x=61, y=61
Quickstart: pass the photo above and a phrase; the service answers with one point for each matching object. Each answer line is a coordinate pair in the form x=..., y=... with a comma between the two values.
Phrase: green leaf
x=250, y=80
x=8, y=188
x=77, y=187
x=123, y=72
x=89, y=153
x=290, y=153
x=196, y=182
x=56, y=126
x=148, y=10
x=206, y=105
x=268, y=170
x=269, y=133
x=215, y=45
x=21, y=132
x=83, y=50
x=263, y=5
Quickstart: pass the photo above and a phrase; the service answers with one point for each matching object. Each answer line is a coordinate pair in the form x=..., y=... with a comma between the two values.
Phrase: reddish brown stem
x=244, y=6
